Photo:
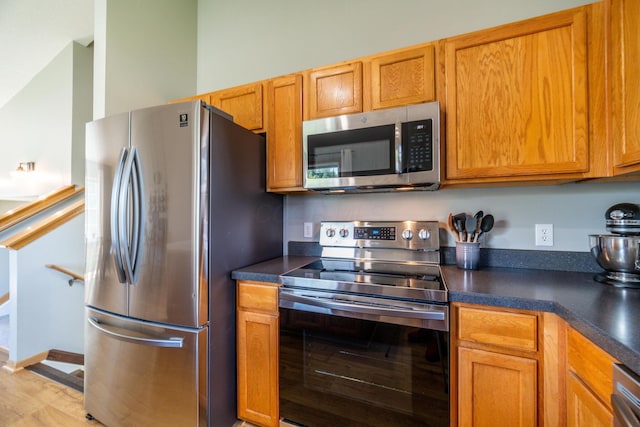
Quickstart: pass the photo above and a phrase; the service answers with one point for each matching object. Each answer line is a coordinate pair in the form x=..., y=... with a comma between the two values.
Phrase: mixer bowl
x=616, y=253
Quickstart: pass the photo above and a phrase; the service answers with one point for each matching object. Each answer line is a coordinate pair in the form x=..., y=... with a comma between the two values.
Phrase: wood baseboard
x=13, y=366
x=66, y=357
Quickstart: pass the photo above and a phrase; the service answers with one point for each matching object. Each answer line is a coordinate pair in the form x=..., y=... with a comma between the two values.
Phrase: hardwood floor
x=29, y=400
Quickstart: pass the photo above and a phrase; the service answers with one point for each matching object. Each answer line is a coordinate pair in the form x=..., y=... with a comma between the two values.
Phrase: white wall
x=248, y=40
x=245, y=41
x=37, y=125
x=575, y=210
x=145, y=53
x=45, y=312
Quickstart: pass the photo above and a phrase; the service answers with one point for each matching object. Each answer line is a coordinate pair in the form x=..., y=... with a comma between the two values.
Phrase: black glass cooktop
x=408, y=280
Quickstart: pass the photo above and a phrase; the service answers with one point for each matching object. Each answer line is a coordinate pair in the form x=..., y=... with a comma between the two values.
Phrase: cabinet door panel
x=284, y=133
x=402, y=78
x=583, y=407
x=258, y=368
x=244, y=103
x=625, y=83
x=335, y=90
x=496, y=389
x=517, y=99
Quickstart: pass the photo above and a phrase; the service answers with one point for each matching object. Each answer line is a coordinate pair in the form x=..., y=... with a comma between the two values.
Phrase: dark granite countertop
x=608, y=316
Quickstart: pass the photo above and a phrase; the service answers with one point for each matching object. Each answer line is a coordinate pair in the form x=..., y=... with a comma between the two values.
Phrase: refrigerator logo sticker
x=184, y=120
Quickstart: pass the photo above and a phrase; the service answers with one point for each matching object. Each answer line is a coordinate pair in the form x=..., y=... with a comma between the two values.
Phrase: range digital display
x=374, y=233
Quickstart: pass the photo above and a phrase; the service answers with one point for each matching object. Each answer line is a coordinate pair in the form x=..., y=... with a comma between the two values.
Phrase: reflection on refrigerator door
x=160, y=374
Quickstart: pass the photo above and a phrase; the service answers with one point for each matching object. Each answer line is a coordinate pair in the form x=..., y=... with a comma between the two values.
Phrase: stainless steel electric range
x=364, y=329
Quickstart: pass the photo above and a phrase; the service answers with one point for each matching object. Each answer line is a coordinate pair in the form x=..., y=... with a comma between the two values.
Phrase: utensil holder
x=467, y=255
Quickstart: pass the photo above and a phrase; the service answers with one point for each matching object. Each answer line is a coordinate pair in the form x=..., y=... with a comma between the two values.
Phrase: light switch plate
x=308, y=230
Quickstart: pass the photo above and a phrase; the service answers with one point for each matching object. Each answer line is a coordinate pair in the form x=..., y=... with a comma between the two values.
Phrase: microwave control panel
x=417, y=144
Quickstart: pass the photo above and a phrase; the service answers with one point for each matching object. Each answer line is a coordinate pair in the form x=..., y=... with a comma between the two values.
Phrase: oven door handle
x=623, y=412
x=381, y=309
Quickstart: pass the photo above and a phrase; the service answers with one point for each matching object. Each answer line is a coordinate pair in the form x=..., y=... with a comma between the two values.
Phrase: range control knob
x=344, y=232
x=423, y=234
x=330, y=232
x=407, y=234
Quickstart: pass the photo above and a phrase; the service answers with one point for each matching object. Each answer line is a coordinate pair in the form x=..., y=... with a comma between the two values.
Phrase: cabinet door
x=625, y=84
x=496, y=389
x=400, y=78
x=517, y=100
x=244, y=103
x=584, y=409
x=592, y=364
x=284, y=134
x=332, y=91
x=257, y=353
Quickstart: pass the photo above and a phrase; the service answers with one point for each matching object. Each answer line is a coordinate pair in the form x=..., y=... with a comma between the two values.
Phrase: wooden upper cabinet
x=399, y=78
x=244, y=103
x=516, y=100
x=625, y=84
x=284, y=134
x=333, y=90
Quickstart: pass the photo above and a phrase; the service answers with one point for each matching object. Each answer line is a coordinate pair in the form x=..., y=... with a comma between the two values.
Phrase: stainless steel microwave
x=383, y=150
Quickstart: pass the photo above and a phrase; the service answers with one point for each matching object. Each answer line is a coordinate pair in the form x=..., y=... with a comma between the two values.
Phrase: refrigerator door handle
x=131, y=224
x=115, y=217
x=137, y=234
x=173, y=342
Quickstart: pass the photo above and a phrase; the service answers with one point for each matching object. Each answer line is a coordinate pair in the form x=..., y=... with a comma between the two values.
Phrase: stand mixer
x=619, y=253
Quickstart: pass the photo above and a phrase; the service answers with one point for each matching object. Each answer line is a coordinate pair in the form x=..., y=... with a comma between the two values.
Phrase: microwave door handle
x=623, y=413
x=361, y=308
x=399, y=149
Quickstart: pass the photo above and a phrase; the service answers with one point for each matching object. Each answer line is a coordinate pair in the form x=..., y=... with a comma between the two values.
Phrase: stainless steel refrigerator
x=175, y=200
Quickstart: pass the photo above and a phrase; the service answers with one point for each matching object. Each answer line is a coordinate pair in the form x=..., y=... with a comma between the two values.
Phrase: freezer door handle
x=115, y=218
x=174, y=342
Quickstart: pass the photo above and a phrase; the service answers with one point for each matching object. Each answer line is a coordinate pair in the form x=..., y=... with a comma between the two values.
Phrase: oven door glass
x=356, y=152
x=339, y=371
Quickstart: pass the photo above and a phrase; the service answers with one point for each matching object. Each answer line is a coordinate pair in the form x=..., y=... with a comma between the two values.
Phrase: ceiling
x=33, y=32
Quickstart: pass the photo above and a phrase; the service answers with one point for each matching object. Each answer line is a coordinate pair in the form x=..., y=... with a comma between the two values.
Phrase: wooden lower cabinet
x=496, y=366
x=584, y=409
x=257, y=353
x=589, y=382
x=496, y=389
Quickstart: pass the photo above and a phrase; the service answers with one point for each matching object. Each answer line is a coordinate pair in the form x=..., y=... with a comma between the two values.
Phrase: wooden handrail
x=28, y=210
x=74, y=276
x=23, y=238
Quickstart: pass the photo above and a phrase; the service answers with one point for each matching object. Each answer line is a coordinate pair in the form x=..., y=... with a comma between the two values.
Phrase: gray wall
x=249, y=40
x=145, y=53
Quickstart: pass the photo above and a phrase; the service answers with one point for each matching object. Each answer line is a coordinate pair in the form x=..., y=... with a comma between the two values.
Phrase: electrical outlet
x=308, y=229
x=544, y=234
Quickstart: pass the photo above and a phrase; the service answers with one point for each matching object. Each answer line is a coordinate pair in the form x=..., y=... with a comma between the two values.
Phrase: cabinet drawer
x=258, y=296
x=517, y=331
x=591, y=364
